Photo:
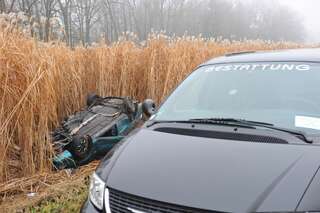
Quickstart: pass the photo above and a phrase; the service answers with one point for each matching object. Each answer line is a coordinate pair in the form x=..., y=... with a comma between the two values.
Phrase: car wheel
x=81, y=147
x=129, y=105
x=92, y=99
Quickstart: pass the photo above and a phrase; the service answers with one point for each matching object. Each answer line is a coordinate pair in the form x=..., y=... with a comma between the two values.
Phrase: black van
x=240, y=134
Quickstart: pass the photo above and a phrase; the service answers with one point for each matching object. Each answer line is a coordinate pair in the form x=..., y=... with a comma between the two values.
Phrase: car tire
x=129, y=106
x=92, y=99
x=81, y=147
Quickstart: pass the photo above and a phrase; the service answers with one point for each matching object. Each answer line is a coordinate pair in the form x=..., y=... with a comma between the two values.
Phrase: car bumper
x=87, y=207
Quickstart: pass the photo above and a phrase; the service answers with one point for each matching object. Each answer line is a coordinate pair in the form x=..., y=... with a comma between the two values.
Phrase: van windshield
x=285, y=94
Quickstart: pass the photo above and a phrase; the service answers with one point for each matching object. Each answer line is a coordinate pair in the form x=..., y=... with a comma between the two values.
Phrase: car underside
x=90, y=133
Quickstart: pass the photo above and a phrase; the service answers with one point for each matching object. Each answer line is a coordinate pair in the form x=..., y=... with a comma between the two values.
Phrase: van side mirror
x=149, y=107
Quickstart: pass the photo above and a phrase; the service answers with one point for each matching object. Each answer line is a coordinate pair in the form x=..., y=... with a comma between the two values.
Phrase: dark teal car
x=89, y=134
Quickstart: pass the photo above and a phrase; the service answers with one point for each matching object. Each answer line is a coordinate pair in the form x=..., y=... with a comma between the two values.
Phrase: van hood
x=214, y=174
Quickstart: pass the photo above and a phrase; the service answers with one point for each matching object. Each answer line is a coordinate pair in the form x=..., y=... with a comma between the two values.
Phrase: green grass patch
x=70, y=201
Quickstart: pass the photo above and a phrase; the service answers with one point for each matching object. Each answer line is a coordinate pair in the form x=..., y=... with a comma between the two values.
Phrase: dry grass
x=61, y=188
x=42, y=83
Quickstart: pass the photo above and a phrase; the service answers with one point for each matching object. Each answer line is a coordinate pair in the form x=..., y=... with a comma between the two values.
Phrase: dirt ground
x=63, y=191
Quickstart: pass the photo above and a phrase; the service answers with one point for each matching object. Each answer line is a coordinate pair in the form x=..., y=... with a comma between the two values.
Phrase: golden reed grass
x=41, y=83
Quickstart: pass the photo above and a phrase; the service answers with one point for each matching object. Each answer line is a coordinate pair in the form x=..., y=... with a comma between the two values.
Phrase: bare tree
x=84, y=21
x=65, y=11
x=86, y=11
x=48, y=10
x=27, y=6
x=3, y=6
x=7, y=6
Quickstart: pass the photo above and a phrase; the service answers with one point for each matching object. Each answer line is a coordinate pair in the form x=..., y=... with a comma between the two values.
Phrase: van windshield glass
x=285, y=94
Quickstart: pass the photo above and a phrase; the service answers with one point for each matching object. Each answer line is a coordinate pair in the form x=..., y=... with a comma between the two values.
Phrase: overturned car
x=90, y=133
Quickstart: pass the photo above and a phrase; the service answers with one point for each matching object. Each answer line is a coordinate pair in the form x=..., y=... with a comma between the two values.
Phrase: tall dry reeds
x=41, y=83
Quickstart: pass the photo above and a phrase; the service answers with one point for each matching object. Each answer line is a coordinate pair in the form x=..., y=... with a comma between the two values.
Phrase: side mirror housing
x=149, y=107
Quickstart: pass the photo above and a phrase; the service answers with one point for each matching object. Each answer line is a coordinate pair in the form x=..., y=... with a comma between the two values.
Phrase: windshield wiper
x=237, y=123
x=230, y=120
x=227, y=122
x=300, y=134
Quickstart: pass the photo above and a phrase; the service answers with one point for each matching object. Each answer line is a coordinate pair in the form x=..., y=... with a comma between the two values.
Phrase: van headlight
x=96, y=191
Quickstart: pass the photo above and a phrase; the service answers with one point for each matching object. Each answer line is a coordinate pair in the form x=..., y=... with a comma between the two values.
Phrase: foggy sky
x=308, y=10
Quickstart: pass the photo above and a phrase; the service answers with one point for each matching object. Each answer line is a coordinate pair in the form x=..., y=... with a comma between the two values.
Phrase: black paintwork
x=218, y=174
x=311, y=199
x=215, y=174
x=88, y=207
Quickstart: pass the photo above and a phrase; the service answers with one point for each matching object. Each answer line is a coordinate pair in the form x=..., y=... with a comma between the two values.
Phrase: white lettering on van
x=303, y=67
x=259, y=67
x=289, y=67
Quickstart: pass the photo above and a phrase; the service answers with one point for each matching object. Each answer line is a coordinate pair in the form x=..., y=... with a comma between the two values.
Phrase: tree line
x=88, y=21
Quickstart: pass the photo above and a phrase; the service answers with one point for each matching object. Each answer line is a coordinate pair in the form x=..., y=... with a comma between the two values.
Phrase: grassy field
x=64, y=198
x=41, y=83
x=62, y=191
x=70, y=201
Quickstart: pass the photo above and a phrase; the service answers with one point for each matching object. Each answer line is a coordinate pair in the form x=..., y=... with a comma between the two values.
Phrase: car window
x=268, y=92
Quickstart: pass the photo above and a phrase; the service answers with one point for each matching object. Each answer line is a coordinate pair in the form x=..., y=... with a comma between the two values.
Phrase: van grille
x=122, y=203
